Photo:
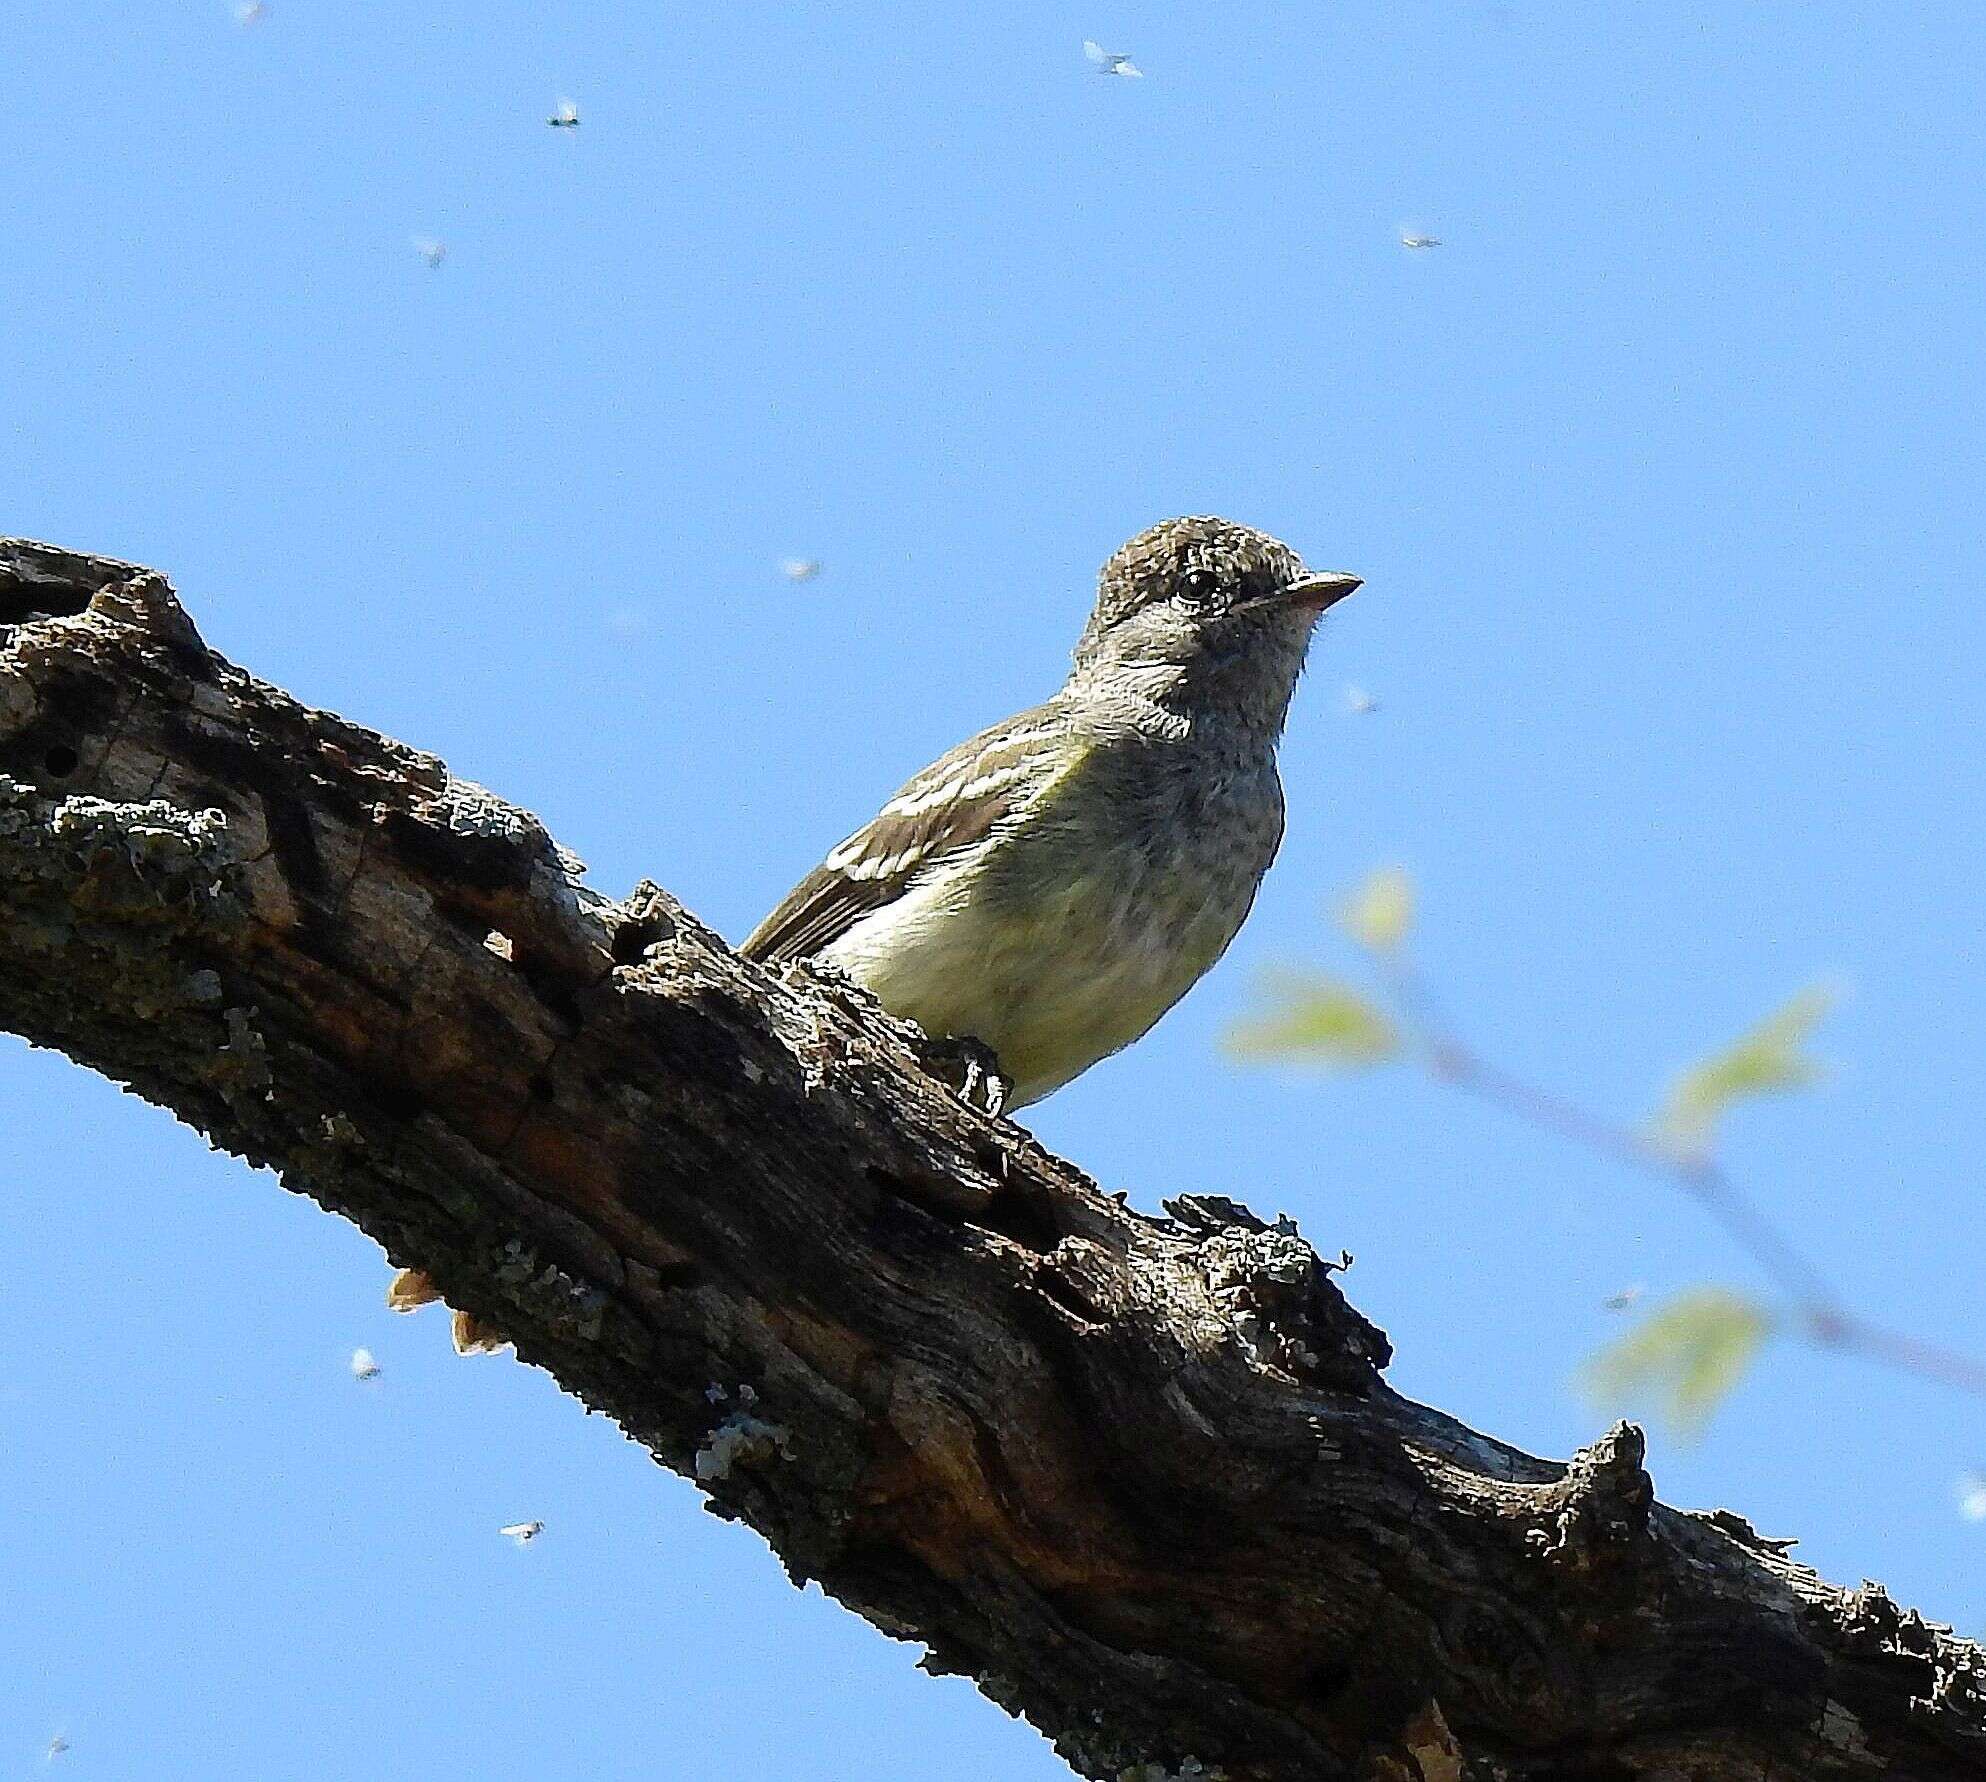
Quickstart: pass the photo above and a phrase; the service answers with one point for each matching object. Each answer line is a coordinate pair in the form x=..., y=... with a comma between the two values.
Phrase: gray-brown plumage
x=1051, y=886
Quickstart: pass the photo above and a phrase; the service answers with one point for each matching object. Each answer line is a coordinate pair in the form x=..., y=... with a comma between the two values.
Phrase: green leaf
x=1769, y=1060
x=1689, y=1353
x=1313, y=1020
x=1379, y=913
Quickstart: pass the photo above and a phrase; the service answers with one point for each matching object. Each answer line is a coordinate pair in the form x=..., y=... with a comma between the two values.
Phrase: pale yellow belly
x=1058, y=984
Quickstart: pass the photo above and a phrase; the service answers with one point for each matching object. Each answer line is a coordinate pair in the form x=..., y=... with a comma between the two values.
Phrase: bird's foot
x=969, y=1066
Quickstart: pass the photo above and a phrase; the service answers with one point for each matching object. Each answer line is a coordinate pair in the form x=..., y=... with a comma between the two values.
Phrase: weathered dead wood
x=1140, y=1478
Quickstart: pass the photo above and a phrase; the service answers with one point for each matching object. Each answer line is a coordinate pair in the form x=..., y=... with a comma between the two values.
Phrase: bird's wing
x=955, y=802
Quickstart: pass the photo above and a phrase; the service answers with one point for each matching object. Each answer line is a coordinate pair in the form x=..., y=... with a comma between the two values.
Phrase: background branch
x=1702, y=1340
x=1820, y=1315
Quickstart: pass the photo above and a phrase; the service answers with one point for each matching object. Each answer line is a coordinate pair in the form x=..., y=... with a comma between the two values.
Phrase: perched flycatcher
x=1053, y=886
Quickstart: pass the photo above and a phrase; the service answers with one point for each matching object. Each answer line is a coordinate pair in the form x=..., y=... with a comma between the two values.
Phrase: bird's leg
x=970, y=1067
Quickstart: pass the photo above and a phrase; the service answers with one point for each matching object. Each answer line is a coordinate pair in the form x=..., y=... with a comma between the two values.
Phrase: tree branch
x=1140, y=1478
x=1820, y=1315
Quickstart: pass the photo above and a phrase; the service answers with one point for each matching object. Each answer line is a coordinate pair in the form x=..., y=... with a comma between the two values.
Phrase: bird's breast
x=1071, y=935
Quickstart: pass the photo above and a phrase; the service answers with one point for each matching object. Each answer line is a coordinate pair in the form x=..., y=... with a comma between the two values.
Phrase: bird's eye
x=1200, y=584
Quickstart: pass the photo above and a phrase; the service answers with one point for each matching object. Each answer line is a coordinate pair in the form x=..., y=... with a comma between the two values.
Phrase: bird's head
x=1223, y=611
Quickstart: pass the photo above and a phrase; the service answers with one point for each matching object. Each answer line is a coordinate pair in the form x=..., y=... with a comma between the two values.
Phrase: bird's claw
x=969, y=1066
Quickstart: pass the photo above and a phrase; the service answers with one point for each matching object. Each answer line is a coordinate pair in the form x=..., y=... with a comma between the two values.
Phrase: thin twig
x=1823, y=1319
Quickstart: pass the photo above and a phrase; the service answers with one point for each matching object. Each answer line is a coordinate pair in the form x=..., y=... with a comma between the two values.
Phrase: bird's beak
x=1320, y=589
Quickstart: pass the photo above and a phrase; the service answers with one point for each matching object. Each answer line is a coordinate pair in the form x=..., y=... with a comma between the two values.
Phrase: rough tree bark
x=1142, y=1479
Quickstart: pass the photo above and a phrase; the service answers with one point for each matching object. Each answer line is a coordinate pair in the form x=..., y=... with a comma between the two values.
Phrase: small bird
x=1410, y=240
x=430, y=250
x=250, y=12
x=1051, y=887
x=1359, y=702
x=565, y=116
x=799, y=569
x=1972, y=1497
x=523, y=1533
x=56, y=1747
x=1109, y=62
x=363, y=1366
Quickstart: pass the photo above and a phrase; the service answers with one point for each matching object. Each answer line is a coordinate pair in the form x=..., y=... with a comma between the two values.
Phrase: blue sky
x=1663, y=472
